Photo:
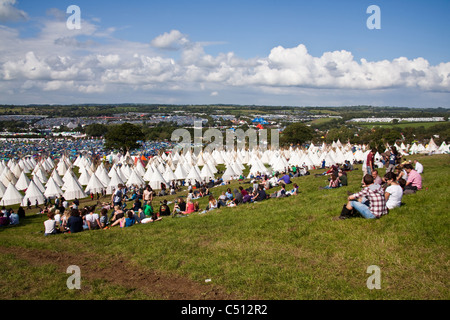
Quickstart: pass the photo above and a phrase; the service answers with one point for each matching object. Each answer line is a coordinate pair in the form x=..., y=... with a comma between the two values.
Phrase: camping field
x=280, y=249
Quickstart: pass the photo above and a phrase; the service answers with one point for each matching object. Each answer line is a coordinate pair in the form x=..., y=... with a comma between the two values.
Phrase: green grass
x=289, y=248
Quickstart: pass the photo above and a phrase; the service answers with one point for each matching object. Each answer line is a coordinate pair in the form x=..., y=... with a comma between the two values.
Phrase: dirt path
x=117, y=271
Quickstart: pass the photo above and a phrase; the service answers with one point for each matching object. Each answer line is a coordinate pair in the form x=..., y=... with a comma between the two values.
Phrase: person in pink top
x=414, y=181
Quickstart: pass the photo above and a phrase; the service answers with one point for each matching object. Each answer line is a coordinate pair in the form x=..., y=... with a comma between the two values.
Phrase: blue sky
x=241, y=52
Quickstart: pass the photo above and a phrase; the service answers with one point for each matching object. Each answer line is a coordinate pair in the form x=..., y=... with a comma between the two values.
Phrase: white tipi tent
x=11, y=196
x=33, y=194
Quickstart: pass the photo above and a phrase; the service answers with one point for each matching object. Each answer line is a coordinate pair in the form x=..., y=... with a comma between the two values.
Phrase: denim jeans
x=362, y=209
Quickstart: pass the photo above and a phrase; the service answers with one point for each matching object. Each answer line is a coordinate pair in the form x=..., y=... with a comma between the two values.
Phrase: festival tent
x=38, y=183
x=23, y=182
x=52, y=189
x=2, y=189
x=135, y=180
x=444, y=148
x=432, y=147
x=11, y=196
x=180, y=172
x=56, y=177
x=33, y=194
x=94, y=185
x=85, y=177
x=102, y=175
x=40, y=173
x=7, y=176
x=62, y=167
x=73, y=189
x=114, y=182
x=193, y=175
x=148, y=173
x=168, y=175
x=206, y=173
x=16, y=170
x=156, y=180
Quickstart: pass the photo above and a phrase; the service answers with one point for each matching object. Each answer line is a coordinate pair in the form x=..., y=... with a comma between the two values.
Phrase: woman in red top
x=190, y=208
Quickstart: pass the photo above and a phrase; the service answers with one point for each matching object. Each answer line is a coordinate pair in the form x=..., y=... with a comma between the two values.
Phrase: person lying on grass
x=377, y=202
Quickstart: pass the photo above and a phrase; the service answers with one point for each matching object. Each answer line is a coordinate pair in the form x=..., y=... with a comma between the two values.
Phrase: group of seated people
x=380, y=195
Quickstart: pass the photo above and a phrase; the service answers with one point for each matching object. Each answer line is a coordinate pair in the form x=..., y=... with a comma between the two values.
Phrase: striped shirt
x=377, y=200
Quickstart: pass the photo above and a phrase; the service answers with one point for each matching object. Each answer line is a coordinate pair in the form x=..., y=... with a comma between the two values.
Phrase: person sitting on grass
x=237, y=197
x=414, y=181
x=334, y=182
x=190, y=207
x=75, y=222
x=394, y=191
x=13, y=218
x=377, y=202
x=92, y=219
x=343, y=179
x=127, y=221
x=376, y=177
x=180, y=206
x=164, y=209
x=229, y=195
x=294, y=190
x=286, y=178
x=148, y=209
x=259, y=194
x=103, y=218
x=50, y=225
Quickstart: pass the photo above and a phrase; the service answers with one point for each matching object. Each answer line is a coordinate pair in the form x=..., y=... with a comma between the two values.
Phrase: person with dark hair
x=92, y=219
x=75, y=222
x=343, y=181
x=394, y=191
x=103, y=218
x=377, y=202
x=393, y=159
x=333, y=183
x=21, y=212
x=50, y=225
x=370, y=161
x=164, y=209
x=414, y=181
x=260, y=194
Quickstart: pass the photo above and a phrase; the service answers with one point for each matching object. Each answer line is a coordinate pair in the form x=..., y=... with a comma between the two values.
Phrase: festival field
x=279, y=249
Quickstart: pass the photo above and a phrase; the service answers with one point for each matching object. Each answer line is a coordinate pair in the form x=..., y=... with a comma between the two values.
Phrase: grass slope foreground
x=280, y=249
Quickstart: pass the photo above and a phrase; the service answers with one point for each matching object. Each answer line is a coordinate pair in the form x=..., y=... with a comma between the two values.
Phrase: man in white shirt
x=418, y=167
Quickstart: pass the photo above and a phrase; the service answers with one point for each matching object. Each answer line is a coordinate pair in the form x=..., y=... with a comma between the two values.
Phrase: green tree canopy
x=123, y=137
x=96, y=130
x=296, y=133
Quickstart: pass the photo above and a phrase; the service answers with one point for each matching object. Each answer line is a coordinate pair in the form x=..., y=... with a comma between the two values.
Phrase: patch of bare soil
x=118, y=271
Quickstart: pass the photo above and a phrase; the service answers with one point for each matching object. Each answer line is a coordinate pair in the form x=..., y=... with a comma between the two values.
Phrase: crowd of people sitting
x=379, y=195
x=69, y=218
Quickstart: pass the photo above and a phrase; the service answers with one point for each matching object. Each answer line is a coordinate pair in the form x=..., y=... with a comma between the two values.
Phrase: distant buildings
x=431, y=119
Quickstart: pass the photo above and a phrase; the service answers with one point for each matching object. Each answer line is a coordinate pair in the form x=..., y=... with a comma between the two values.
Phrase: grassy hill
x=289, y=249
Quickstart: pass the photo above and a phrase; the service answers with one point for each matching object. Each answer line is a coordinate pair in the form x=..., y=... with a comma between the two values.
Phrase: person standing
x=418, y=167
x=369, y=161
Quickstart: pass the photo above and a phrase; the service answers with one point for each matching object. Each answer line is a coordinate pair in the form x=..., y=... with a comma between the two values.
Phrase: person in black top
x=164, y=209
x=75, y=222
x=21, y=213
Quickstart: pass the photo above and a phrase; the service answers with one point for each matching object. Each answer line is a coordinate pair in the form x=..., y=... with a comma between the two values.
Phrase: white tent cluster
x=27, y=180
